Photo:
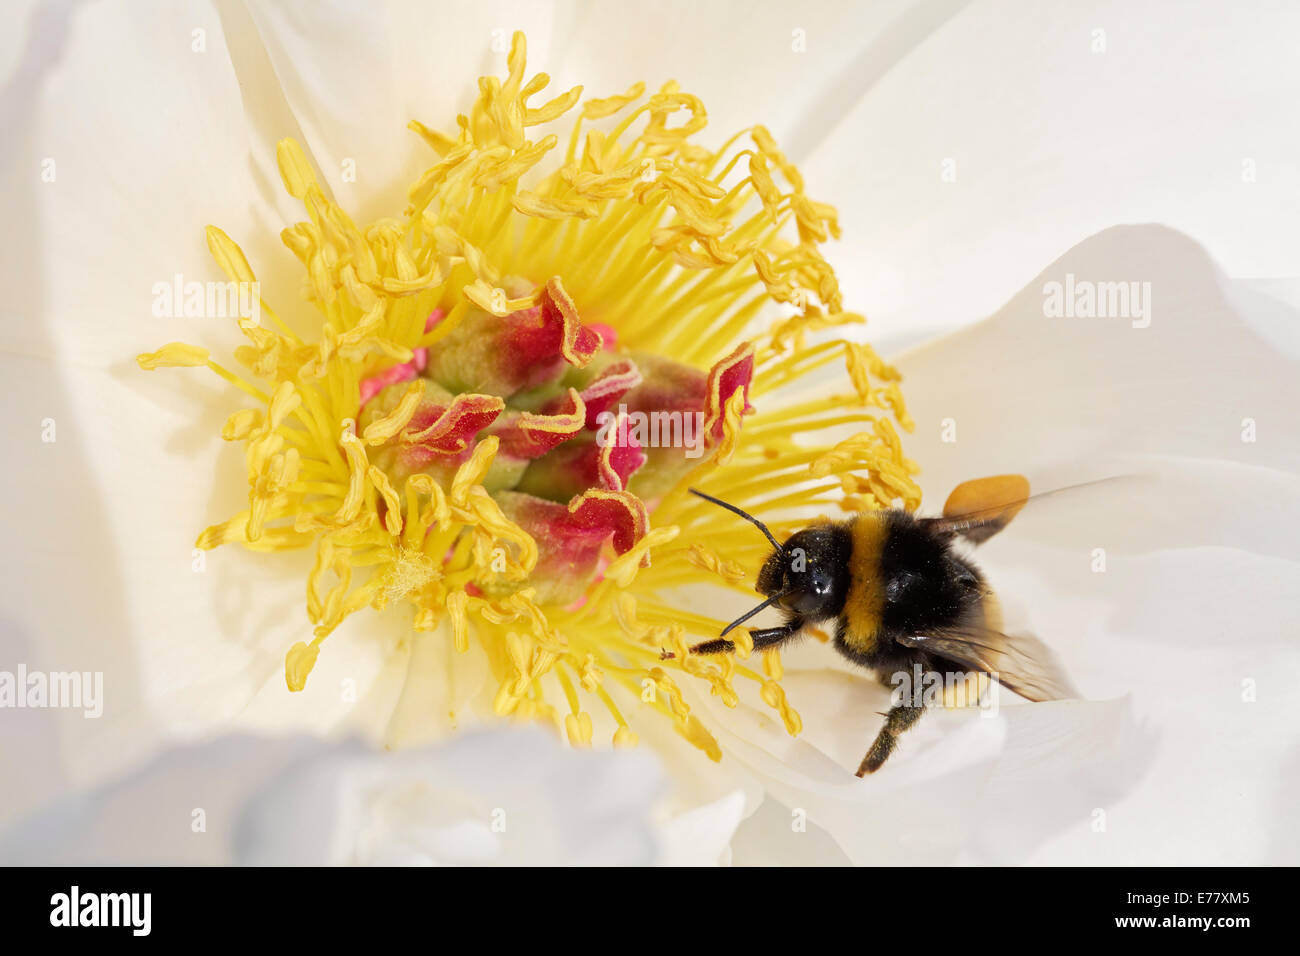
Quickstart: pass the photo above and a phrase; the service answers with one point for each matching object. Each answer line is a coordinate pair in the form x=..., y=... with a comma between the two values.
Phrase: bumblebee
x=902, y=597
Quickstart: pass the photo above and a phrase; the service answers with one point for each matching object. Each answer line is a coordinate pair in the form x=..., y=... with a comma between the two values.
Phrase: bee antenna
x=748, y=517
x=747, y=615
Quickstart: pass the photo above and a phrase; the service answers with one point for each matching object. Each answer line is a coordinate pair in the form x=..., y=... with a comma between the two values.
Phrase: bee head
x=807, y=576
x=809, y=571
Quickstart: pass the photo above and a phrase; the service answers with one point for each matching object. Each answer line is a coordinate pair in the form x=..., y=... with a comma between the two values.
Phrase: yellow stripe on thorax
x=866, y=598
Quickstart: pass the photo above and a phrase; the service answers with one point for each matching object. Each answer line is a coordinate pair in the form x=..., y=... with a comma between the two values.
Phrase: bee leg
x=896, y=721
x=762, y=638
x=720, y=646
x=771, y=636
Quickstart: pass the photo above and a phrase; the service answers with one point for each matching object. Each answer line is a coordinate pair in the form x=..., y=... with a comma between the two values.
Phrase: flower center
x=508, y=382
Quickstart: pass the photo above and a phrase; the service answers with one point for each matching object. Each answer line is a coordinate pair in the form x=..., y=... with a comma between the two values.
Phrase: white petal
x=1101, y=392
x=796, y=70
x=515, y=797
x=104, y=201
x=183, y=807
x=702, y=836
x=1050, y=142
x=509, y=796
x=776, y=835
x=354, y=84
x=962, y=788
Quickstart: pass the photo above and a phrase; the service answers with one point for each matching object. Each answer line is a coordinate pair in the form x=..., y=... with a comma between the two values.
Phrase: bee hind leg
x=899, y=719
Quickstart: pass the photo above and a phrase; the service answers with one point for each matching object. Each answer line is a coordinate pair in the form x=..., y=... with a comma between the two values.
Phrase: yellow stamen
x=683, y=252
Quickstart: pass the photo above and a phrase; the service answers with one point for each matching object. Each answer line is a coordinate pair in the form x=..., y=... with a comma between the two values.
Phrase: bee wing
x=980, y=508
x=1022, y=663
